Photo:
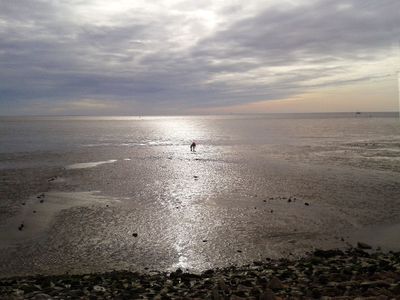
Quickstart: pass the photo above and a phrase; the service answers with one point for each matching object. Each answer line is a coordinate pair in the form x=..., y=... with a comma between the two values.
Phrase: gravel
x=323, y=274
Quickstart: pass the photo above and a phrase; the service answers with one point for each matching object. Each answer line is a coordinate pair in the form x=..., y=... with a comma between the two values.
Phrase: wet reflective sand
x=255, y=188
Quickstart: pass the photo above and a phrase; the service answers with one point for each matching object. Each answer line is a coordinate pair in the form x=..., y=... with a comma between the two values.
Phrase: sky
x=133, y=57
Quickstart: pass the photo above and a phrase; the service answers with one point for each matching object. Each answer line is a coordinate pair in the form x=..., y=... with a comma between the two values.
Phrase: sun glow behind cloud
x=375, y=96
x=172, y=57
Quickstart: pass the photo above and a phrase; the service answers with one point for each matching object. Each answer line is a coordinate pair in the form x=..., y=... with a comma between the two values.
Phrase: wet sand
x=193, y=212
x=39, y=213
x=130, y=199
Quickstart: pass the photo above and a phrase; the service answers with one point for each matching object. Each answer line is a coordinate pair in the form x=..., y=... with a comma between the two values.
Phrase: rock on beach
x=331, y=274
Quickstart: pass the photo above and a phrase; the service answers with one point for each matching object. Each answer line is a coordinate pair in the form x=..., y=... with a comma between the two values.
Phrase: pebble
x=362, y=245
x=99, y=288
x=275, y=284
x=323, y=274
x=42, y=296
x=268, y=294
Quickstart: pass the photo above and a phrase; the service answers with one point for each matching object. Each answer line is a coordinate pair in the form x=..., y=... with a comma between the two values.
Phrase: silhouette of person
x=193, y=147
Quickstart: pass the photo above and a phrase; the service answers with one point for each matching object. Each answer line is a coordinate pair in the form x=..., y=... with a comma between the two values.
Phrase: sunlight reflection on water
x=196, y=210
x=190, y=184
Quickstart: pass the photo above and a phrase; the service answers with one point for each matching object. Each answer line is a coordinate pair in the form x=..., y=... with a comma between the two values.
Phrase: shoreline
x=255, y=189
x=334, y=273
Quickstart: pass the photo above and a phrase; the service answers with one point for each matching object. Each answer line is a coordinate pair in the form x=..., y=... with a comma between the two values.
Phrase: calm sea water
x=102, y=179
x=367, y=139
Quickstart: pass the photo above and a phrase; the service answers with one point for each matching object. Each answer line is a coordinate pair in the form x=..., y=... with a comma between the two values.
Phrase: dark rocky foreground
x=332, y=274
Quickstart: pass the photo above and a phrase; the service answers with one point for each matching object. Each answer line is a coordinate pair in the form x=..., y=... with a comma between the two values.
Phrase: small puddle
x=89, y=164
x=39, y=211
x=386, y=237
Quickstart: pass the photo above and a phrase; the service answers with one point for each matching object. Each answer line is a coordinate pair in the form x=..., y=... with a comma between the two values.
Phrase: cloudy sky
x=102, y=57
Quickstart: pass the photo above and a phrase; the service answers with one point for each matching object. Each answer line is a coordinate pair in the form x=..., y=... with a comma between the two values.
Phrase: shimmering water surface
x=256, y=187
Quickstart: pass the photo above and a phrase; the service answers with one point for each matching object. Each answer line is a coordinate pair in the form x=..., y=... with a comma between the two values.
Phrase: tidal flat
x=137, y=199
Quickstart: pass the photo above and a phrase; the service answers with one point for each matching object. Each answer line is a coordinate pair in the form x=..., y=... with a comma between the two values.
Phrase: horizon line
x=209, y=114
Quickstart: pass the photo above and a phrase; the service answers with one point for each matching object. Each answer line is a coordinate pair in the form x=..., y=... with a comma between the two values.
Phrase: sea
x=93, y=194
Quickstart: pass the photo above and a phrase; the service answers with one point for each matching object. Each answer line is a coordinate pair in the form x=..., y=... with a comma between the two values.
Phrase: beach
x=331, y=274
x=96, y=195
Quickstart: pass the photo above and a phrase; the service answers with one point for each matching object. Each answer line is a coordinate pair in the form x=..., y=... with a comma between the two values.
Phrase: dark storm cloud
x=48, y=53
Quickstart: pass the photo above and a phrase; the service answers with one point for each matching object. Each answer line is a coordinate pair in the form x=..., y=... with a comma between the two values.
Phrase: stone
x=42, y=296
x=275, y=284
x=268, y=294
x=76, y=293
x=215, y=294
x=241, y=291
x=99, y=288
x=247, y=283
x=208, y=273
x=395, y=289
x=362, y=245
x=235, y=297
x=377, y=283
x=222, y=285
x=316, y=293
x=18, y=292
x=331, y=274
x=327, y=253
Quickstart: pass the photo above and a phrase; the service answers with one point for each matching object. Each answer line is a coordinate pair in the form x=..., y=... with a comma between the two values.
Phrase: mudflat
x=100, y=195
